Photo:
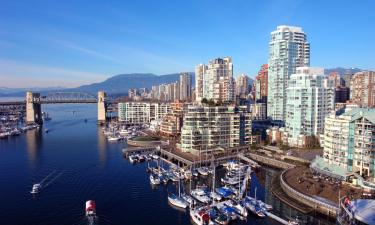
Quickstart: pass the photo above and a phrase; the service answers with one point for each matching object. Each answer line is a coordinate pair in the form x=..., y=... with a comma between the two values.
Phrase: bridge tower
x=33, y=108
x=102, y=107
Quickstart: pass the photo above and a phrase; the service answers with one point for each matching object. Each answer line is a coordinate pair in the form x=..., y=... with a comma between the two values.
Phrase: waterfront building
x=137, y=113
x=349, y=142
x=309, y=100
x=362, y=88
x=288, y=49
x=210, y=128
x=215, y=80
x=242, y=86
x=171, y=125
x=260, y=85
x=185, y=87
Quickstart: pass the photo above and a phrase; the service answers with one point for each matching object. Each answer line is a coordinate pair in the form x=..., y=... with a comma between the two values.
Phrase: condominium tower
x=242, y=85
x=185, y=87
x=288, y=49
x=309, y=100
x=207, y=128
x=362, y=89
x=215, y=80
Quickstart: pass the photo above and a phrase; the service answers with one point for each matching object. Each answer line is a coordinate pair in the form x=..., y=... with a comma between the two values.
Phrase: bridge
x=32, y=103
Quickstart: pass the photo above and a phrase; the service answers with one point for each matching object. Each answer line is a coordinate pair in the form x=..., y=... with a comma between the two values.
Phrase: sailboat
x=178, y=201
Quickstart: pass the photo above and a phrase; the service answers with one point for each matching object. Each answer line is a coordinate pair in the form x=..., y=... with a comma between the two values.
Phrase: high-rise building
x=207, y=128
x=349, y=142
x=215, y=80
x=260, y=85
x=309, y=101
x=132, y=92
x=242, y=86
x=185, y=87
x=288, y=49
x=200, y=70
x=362, y=89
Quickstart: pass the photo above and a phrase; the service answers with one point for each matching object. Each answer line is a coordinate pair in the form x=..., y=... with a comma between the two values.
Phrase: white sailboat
x=178, y=201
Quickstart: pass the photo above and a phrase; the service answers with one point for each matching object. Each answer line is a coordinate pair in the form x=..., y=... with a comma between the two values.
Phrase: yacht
x=36, y=189
x=264, y=205
x=201, y=195
x=154, y=179
x=133, y=159
x=200, y=216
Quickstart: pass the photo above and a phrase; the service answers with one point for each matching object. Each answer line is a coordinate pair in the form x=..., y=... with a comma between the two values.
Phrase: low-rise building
x=137, y=113
x=349, y=141
x=207, y=128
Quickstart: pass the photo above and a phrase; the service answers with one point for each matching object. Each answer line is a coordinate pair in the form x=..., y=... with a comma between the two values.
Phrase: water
x=90, y=168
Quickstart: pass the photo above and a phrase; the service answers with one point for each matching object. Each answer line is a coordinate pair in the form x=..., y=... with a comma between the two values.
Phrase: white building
x=288, y=49
x=206, y=128
x=349, y=142
x=309, y=101
x=137, y=113
x=215, y=81
x=185, y=87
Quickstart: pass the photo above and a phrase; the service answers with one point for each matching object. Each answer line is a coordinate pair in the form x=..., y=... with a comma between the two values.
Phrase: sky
x=73, y=42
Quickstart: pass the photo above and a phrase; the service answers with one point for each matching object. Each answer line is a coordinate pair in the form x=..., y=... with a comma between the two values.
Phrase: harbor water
x=85, y=166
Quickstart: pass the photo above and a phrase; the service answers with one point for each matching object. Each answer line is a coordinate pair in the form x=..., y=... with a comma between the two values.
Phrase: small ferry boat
x=36, y=189
x=90, y=208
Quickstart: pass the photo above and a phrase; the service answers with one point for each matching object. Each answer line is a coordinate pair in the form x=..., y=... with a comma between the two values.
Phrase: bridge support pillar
x=102, y=107
x=33, y=108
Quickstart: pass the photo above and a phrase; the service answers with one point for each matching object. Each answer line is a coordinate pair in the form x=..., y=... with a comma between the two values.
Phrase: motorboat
x=200, y=216
x=254, y=208
x=133, y=159
x=36, y=189
x=203, y=171
x=177, y=201
x=90, y=208
x=113, y=138
x=217, y=217
x=240, y=208
x=154, y=179
x=215, y=196
x=200, y=195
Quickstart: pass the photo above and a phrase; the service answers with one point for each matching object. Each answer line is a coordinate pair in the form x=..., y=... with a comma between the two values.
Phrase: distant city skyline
x=72, y=43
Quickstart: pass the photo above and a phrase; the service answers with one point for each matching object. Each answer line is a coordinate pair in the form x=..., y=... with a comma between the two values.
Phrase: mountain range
x=119, y=84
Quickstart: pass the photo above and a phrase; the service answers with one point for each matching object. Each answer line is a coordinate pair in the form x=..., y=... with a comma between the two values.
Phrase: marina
x=96, y=169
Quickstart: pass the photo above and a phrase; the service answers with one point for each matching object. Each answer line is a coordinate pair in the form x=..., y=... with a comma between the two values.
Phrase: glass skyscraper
x=288, y=49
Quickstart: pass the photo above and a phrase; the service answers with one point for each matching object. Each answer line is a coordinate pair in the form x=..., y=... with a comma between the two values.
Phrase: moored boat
x=177, y=201
x=154, y=179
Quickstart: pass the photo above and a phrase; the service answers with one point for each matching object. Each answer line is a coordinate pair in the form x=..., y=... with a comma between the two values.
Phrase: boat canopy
x=225, y=192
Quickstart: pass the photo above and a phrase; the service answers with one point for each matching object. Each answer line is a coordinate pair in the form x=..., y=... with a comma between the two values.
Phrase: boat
x=154, y=179
x=200, y=195
x=154, y=156
x=90, y=208
x=254, y=208
x=113, y=138
x=217, y=217
x=188, y=199
x=36, y=189
x=177, y=201
x=200, y=216
x=203, y=171
x=195, y=173
x=264, y=205
x=240, y=208
x=133, y=159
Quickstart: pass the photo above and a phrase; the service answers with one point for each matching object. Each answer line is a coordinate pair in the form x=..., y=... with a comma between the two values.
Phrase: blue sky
x=69, y=43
